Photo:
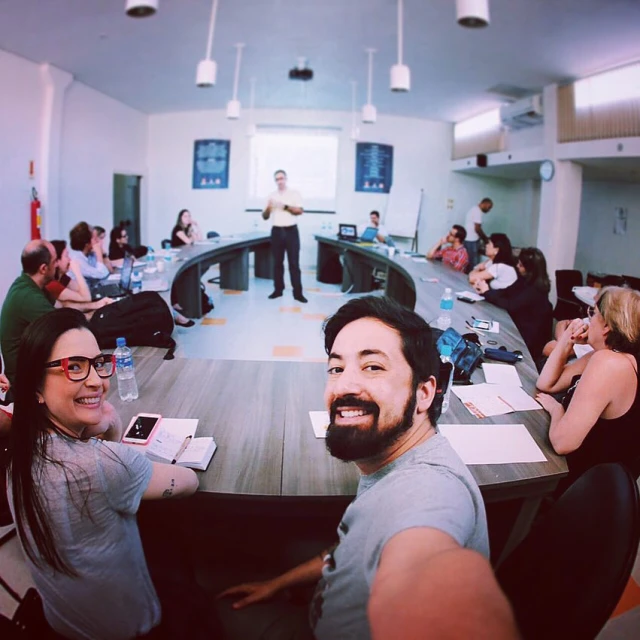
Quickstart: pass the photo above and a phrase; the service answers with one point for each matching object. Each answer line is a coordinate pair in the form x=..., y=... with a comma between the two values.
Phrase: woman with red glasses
x=599, y=418
x=74, y=497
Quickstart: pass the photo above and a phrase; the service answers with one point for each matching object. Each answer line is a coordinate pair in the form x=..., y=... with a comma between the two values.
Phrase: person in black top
x=119, y=245
x=186, y=231
x=526, y=300
x=599, y=420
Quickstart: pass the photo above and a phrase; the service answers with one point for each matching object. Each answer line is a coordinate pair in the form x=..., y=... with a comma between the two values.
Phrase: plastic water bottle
x=446, y=305
x=136, y=282
x=151, y=260
x=125, y=372
x=445, y=357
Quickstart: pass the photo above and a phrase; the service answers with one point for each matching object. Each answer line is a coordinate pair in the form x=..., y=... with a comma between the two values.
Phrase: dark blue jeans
x=286, y=240
x=472, y=249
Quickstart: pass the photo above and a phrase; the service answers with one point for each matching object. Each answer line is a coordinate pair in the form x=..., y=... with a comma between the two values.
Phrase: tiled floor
x=248, y=326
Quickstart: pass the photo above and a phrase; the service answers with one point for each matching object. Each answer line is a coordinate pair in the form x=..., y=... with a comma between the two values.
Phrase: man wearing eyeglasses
x=26, y=299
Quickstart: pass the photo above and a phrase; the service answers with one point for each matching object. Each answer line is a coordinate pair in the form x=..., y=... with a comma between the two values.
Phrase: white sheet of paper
x=319, y=422
x=485, y=400
x=472, y=295
x=419, y=259
x=492, y=443
x=501, y=374
x=495, y=327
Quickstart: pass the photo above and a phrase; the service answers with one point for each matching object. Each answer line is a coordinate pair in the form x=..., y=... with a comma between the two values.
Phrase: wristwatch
x=286, y=207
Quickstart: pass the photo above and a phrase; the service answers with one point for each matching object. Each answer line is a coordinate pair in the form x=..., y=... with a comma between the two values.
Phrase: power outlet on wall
x=450, y=204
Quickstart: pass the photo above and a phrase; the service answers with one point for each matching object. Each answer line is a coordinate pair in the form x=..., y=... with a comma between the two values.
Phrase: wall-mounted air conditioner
x=523, y=113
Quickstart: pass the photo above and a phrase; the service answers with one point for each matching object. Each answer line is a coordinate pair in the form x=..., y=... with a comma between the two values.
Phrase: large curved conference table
x=258, y=411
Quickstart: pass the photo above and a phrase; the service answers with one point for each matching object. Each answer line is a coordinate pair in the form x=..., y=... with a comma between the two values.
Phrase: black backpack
x=143, y=319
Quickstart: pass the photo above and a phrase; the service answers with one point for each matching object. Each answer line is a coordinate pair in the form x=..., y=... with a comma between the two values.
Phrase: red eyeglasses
x=77, y=368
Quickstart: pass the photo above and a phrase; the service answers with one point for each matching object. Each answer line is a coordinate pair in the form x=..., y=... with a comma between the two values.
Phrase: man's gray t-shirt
x=92, y=510
x=429, y=486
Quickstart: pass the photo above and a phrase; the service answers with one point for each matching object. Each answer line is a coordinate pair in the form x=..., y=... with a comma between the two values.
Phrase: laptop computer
x=369, y=235
x=120, y=289
x=348, y=232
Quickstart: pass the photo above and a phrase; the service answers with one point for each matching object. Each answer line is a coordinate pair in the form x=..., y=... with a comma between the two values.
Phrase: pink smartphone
x=141, y=428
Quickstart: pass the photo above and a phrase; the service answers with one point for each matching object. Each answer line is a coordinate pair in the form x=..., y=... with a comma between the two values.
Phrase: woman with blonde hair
x=599, y=418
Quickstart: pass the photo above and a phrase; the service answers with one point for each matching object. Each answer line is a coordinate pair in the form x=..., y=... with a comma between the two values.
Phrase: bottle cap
x=447, y=290
x=445, y=350
x=121, y=342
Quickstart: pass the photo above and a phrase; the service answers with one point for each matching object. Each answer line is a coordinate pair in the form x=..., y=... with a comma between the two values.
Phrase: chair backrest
x=612, y=281
x=566, y=577
x=212, y=234
x=566, y=279
x=166, y=243
x=632, y=282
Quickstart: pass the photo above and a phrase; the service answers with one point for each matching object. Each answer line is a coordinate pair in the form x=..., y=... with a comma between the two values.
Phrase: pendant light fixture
x=251, y=129
x=400, y=73
x=233, y=106
x=207, y=68
x=369, y=113
x=473, y=14
x=140, y=8
x=355, y=132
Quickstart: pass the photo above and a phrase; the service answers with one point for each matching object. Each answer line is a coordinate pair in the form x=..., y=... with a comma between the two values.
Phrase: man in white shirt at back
x=473, y=227
x=283, y=207
x=374, y=218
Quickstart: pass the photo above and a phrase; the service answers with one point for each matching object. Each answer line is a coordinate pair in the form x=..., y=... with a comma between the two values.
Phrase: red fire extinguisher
x=36, y=218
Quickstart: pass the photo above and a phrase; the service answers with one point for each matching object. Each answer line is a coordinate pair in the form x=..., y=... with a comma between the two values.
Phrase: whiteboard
x=402, y=212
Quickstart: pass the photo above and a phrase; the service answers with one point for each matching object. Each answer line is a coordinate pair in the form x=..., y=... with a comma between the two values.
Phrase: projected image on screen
x=310, y=158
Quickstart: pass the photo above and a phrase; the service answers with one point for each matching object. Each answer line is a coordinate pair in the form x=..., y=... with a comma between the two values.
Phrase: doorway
x=126, y=205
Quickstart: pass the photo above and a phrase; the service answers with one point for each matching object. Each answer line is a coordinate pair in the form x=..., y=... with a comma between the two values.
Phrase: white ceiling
x=150, y=63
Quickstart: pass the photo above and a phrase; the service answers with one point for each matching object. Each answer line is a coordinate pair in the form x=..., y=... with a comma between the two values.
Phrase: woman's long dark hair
x=535, y=267
x=179, y=222
x=505, y=253
x=29, y=433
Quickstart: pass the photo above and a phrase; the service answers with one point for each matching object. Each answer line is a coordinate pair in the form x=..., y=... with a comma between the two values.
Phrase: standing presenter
x=284, y=206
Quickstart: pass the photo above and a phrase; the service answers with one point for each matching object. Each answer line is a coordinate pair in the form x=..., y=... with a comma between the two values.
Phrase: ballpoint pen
x=182, y=449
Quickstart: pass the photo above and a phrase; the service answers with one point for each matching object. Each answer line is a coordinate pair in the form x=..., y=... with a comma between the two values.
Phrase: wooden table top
x=258, y=411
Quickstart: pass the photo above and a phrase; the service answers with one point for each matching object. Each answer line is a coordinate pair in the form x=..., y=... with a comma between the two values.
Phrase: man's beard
x=350, y=443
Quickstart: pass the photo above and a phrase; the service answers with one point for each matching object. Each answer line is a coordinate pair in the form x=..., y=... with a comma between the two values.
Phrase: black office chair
x=613, y=281
x=166, y=243
x=566, y=577
x=568, y=306
x=632, y=282
x=210, y=236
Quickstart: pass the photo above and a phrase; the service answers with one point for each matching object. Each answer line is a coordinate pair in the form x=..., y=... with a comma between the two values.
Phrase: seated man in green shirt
x=26, y=300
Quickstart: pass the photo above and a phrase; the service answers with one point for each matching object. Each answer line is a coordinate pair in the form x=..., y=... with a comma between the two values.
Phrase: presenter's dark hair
x=535, y=268
x=29, y=435
x=418, y=346
x=461, y=232
x=282, y=171
x=80, y=236
x=59, y=246
x=34, y=258
x=505, y=252
x=486, y=201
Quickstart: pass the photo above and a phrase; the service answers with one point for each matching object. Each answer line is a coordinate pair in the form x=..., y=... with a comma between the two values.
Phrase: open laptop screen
x=125, y=275
x=347, y=232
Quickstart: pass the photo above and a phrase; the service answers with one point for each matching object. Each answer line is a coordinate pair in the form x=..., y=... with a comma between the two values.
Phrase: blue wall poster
x=374, y=167
x=211, y=164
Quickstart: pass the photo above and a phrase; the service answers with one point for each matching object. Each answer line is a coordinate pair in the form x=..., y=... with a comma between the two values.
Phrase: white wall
x=100, y=137
x=516, y=205
x=421, y=160
x=599, y=249
x=20, y=125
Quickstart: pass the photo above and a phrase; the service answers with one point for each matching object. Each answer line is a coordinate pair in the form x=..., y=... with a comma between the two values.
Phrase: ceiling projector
x=301, y=71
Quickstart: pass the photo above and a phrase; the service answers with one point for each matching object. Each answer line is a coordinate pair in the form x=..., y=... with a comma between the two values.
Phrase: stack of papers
x=486, y=400
x=492, y=443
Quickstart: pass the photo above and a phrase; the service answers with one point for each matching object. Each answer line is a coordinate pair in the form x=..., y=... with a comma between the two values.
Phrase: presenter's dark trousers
x=473, y=248
x=286, y=240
